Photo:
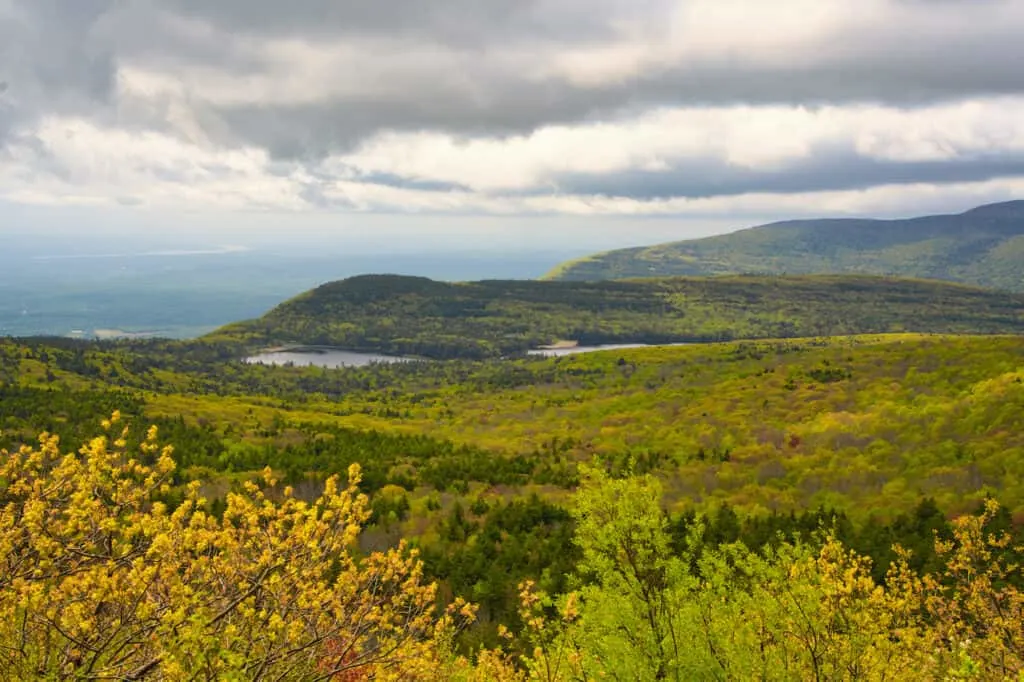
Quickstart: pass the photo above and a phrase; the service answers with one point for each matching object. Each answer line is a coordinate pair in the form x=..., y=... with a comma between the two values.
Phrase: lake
x=572, y=350
x=330, y=358
x=333, y=358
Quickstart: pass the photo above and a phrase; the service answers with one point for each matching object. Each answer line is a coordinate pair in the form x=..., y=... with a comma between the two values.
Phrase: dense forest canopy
x=983, y=246
x=822, y=506
x=104, y=580
x=864, y=423
x=421, y=317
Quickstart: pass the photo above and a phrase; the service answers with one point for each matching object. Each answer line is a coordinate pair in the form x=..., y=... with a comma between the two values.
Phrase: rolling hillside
x=984, y=247
x=417, y=316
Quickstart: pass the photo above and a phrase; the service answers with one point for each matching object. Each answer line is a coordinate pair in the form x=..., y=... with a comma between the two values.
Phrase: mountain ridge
x=416, y=316
x=983, y=246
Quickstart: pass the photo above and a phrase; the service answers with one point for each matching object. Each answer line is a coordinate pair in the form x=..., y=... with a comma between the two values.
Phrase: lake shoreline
x=333, y=357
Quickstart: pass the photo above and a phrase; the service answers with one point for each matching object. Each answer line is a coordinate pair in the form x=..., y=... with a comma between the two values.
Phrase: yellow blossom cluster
x=99, y=579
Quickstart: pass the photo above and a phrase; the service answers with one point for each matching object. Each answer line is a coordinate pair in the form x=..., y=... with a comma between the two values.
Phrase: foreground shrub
x=99, y=579
x=807, y=611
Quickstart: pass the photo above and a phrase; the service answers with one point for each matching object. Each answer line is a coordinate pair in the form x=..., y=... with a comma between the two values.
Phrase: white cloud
x=718, y=33
x=78, y=160
x=88, y=164
x=745, y=137
x=553, y=106
x=948, y=132
x=97, y=166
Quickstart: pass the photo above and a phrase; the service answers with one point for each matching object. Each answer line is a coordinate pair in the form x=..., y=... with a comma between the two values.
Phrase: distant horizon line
x=143, y=254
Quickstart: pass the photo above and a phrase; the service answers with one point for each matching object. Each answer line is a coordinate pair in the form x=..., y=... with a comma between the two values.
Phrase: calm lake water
x=556, y=352
x=331, y=359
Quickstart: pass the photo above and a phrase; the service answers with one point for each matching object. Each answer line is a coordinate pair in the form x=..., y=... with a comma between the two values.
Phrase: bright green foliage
x=629, y=617
x=797, y=612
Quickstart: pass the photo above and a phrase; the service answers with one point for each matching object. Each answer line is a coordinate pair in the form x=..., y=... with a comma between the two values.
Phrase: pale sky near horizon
x=503, y=121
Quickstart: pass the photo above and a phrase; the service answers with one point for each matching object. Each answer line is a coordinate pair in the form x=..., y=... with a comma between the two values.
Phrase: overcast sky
x=709, y=114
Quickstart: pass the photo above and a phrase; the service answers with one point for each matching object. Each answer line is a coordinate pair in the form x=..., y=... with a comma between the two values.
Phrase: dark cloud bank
x=63, y=57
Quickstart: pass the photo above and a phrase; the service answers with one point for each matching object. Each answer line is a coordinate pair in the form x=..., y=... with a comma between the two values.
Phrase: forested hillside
x=489, y=467
x=984, y=247
x=421, y=317
x=865, y=423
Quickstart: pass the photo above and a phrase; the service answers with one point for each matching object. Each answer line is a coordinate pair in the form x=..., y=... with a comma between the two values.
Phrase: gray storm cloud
x=306, y=79
x=829, y=171
x=48, y=62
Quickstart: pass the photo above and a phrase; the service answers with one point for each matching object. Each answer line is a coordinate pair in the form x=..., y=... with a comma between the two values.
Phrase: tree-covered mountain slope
x=756, y=488
x=866, y=424
x=984, y=246
x=417, y=316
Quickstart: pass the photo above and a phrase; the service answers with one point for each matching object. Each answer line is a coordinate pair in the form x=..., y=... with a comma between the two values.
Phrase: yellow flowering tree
x=101, y=580
x=975, y=605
